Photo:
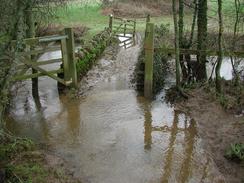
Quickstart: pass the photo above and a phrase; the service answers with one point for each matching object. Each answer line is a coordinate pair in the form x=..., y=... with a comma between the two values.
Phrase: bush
x=91, y=51
x=235, y=152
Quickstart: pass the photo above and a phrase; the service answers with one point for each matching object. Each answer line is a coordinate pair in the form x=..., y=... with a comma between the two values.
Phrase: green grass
x=90, y=15
x=77, y=14
x=228, y=11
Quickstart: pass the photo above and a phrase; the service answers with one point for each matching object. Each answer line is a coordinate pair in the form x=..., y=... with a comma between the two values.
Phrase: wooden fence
x=126, y=28
x=28, y=59
x=149, y=55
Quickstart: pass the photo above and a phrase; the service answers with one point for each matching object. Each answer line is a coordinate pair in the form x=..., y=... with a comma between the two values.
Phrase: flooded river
x=111, y=134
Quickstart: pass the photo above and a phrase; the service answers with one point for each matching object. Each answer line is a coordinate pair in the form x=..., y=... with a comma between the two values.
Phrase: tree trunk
x=181, y=39
x=30, y=33
x=202, y=36
x=177, y=50
x=220, y=53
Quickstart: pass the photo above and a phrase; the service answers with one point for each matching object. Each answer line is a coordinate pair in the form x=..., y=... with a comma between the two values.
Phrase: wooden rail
x=149, y=55
x=197, y=52
x=65, y=44
x=120, y=27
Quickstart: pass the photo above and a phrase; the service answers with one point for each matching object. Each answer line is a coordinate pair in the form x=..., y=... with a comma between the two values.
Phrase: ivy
x=93, y=50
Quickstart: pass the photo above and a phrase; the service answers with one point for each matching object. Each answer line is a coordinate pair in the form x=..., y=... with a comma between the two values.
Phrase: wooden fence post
x=31, y=34
x=125, y=27
x=149, y=52
x=134, y=33
x=148, y=18
x=111, y=23
x=65, y=65
x=71, y=56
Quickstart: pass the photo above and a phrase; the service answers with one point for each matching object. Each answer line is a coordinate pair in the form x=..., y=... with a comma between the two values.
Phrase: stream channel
x=110, y=133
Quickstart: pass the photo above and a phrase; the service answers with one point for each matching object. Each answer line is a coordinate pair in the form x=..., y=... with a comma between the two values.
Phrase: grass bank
x=23, y=162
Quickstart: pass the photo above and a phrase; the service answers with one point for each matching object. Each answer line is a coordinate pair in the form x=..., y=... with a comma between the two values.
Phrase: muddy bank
x=218, y=129
x=22, y=161
x=139, y=9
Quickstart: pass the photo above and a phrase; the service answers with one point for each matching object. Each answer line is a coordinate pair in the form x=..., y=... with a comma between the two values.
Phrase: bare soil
x=138, y=9
x=218, y=129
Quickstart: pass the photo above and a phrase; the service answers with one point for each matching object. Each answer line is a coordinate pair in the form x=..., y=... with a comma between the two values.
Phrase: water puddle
x=226, y=70
x=112, y=134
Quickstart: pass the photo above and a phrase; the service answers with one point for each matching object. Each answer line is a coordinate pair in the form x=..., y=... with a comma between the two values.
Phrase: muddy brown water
x=111, y=134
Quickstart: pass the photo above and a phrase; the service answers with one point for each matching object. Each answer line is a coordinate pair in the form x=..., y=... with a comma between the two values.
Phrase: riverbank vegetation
x=226, y=41
x=195, y=26
x=22, y=161
x=202, y=85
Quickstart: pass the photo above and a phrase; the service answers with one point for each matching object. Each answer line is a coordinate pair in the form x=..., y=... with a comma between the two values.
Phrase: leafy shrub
x=235, y=152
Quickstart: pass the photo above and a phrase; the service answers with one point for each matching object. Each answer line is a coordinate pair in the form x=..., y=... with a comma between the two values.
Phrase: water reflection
x=72, y=111
x=112, y=134
x=226, y=70
x=181, y=156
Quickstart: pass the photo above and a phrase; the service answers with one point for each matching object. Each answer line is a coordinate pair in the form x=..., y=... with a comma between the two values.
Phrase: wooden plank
x=119, y=18
x=34, y=41
x=46, y=62
x=24, y=70
x=124, y=28
x=30, y=64
x=118, y=27
x=52, y=38
x=129, y=43
x=130, y=25
x=28, y=41
x=40, y=51
x=131, y=21
x=30, y=76
x=115, y=31
x=149, y=52
x=129, y=37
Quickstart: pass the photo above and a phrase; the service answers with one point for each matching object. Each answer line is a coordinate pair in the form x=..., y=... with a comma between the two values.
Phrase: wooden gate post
x=125, y=27
x=134, y=33
x=111, y=23
x=149, y=52
x=70, y=44
x=148, y=18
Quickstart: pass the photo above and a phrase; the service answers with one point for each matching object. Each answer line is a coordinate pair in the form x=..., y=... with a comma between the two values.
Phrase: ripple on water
x=114, y=135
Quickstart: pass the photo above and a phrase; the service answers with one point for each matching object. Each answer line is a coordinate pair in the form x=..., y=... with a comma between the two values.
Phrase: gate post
x=70, y=45
x=134, y=32
x=148, y=18
x=149, y=52
x=111, y=23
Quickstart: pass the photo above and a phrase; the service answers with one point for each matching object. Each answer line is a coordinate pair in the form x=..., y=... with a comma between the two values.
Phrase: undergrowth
x=235, y=152
x=21, y=162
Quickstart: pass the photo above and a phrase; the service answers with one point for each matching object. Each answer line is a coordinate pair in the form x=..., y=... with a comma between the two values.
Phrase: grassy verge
x=20, y=161
x=90, y=15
